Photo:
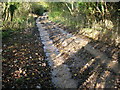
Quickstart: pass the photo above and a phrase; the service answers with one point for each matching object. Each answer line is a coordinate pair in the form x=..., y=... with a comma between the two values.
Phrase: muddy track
x=75, y=61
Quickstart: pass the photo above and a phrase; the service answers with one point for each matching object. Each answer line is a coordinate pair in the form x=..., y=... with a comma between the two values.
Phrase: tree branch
x=69, y=8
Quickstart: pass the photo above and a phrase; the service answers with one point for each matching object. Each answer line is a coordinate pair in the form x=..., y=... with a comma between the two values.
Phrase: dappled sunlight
x=86, y=66
x=98, y=29
x=103, y=24
x=59, y=78
x=78, y=55
x=101, y=83
x=114, y=65
x=93, y=68
x=75, y=61
x=90, y=81
x=60, y=45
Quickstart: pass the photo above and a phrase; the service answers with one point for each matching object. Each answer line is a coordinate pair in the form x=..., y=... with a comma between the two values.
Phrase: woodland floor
x=24, y=64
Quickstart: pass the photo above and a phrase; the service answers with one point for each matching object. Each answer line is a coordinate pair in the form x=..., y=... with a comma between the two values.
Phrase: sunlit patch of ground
x=93, y=64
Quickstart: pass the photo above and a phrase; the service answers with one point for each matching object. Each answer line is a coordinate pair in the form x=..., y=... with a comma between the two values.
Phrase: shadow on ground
x=96, y=66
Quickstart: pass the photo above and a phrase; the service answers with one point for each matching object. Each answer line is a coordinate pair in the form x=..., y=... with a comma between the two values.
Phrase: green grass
x=7, y=33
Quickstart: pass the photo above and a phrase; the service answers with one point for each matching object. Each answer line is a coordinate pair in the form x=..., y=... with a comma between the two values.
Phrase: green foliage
x=94, y=16
x=7, y=33
x=37, y=9
x=76, y=15
x=9, y=10
x=16, y=16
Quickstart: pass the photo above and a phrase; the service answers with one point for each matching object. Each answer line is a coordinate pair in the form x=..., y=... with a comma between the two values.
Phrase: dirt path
x=47, y=56
x=89, y=67
x=61, y=76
